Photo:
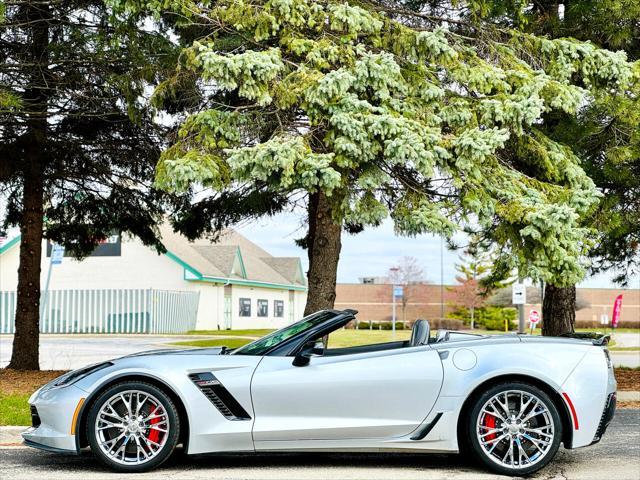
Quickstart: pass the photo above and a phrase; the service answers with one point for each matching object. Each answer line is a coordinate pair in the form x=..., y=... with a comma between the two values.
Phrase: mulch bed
x=18, y=382
x=22, y=382
x=628, y=379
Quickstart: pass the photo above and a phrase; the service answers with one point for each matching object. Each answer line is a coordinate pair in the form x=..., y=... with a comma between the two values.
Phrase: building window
x=245, y=307
x=278, y=308
x=263, y=308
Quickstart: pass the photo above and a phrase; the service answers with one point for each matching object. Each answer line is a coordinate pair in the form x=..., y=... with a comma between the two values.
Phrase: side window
x=347, y=341
x=263, y=308
x=278, y=308
x=245, y=307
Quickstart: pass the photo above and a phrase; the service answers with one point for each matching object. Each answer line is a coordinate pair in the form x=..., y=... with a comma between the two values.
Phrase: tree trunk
x=323, y=246
x=26, y=340
x=558, y=310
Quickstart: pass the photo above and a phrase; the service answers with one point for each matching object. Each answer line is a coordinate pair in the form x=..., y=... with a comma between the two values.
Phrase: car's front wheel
x=133, y=426
x=514, y=428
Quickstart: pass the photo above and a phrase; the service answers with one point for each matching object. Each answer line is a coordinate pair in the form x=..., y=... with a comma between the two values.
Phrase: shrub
x=389, y=325
x=494, y=318
x=446, y=324
x=490, y=318
x=373, y=325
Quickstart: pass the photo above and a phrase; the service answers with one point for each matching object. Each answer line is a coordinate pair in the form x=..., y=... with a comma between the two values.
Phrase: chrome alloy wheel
x=515, y=429
x=132, y=427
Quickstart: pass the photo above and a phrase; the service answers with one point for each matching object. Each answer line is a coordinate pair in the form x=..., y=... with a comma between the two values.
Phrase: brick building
x=373, y=302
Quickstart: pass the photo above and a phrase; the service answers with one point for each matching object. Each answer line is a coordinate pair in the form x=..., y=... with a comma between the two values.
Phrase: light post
x=57, y=254
x=393, y=271
x=519, y=298
x=441, y=279
x=393, y=315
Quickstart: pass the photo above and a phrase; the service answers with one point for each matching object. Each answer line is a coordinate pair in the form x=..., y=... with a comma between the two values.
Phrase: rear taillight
x=608, y=357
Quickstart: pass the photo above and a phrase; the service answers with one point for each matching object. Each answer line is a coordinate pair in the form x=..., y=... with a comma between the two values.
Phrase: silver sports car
x=509, y=400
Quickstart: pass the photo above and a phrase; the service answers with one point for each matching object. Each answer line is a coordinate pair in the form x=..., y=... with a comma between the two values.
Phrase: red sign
x=617, y=310
x=534, y=316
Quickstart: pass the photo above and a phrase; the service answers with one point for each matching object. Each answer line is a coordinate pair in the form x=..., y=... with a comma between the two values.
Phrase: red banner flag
x=617, y=310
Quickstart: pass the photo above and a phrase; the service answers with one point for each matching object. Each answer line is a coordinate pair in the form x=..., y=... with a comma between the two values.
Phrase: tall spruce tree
x=373, y=111
x=78, y=145
x=605, y=136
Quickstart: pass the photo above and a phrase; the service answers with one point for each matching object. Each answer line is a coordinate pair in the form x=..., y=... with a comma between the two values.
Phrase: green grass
x=257, y=332
x=339, y=338
x=14, y=410
x=538, y=331
x=215, y=342
x=608, y=330
x=352, y=337
x=624, y=349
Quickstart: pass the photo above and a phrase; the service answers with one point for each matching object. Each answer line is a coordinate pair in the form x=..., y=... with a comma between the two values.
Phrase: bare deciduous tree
x=408, y=273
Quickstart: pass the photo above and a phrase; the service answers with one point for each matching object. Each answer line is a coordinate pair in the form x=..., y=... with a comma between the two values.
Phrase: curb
x=628, y=396
x=10, y=436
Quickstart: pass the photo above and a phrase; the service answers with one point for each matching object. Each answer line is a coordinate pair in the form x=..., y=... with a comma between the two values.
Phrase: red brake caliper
x=490, y=423
x=154, y=435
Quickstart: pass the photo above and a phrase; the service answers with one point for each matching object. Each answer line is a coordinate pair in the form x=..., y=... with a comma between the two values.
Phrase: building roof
x=232, y=259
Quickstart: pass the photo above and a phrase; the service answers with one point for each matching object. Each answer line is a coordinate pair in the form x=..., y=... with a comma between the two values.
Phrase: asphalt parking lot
x=617, y=457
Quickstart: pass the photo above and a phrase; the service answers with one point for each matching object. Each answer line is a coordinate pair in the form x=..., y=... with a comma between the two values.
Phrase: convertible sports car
x=508, y=400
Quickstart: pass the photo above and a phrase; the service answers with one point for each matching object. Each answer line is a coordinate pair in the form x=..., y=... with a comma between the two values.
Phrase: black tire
x=473, y=442
x=172, y=435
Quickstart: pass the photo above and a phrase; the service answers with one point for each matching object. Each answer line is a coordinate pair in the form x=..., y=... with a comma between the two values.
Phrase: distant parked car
x=510, y=400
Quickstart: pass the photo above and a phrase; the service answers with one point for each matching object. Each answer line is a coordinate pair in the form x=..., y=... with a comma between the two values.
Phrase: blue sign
x=57, y=254
x=398, y=291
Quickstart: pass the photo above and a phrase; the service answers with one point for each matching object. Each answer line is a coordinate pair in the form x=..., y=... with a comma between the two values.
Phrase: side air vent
x=226, y=404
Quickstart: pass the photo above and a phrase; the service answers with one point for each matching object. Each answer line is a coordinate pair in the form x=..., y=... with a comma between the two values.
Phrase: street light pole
x=441, y=279
x=393, y=315
x=393, y=271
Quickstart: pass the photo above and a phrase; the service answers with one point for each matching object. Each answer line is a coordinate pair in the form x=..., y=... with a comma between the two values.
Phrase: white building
x=240, y=285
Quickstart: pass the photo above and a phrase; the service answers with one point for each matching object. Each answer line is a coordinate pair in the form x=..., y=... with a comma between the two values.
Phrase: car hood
x=177, y=351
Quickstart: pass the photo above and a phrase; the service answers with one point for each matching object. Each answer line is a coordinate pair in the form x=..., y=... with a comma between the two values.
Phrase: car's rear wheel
x=514, y=428
x=133, y=426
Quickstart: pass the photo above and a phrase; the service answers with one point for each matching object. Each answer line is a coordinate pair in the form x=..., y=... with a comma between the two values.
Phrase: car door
x=353, y=396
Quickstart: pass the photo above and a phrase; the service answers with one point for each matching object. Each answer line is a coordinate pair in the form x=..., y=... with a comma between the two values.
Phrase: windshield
x=264, y=344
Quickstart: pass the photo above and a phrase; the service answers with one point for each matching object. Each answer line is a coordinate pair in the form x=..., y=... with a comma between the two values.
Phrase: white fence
x=109, y=311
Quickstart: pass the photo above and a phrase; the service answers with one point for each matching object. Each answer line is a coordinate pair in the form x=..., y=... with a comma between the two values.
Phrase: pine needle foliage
x=436, y=129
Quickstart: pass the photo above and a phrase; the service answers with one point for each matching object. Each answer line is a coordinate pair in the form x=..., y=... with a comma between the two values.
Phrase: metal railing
x=109, y=311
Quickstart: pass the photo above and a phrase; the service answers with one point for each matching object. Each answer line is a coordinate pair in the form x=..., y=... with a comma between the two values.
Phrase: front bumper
x=52, y=414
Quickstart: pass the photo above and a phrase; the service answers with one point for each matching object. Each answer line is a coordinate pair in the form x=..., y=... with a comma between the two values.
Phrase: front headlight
x=75, y=375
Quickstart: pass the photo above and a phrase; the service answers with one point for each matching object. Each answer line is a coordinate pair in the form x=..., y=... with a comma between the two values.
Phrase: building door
x=227, y=307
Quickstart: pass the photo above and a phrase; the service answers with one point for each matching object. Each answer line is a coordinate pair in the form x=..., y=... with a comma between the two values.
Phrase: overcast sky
x=373, y=251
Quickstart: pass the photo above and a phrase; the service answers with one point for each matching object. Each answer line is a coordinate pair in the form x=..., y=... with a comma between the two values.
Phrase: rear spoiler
x=597, y=338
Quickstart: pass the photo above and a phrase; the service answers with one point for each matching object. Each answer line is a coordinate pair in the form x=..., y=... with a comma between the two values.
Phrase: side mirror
x=303, y=357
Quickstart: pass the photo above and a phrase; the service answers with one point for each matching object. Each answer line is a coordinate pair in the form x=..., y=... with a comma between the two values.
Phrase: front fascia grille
x=35, y=417
x=217, y=394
